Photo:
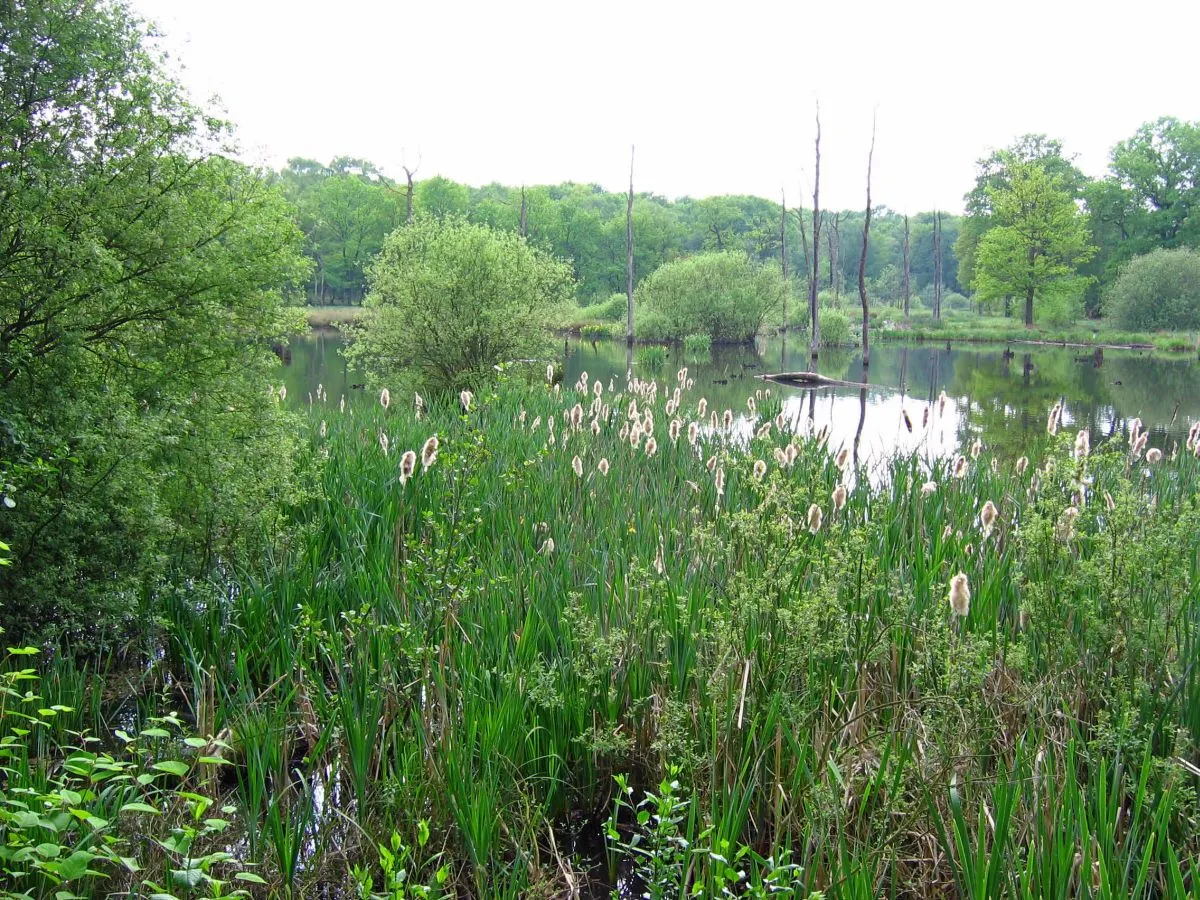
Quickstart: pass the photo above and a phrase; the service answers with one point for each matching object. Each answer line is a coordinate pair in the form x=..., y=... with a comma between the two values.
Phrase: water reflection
x=997, y=394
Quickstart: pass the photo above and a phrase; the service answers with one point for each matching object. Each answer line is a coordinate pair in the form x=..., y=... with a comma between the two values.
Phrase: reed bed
x=591, y=636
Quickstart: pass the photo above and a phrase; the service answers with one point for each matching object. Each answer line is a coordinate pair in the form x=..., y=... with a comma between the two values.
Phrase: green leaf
x=250, y=877
x=140, y=807
x=173, y=767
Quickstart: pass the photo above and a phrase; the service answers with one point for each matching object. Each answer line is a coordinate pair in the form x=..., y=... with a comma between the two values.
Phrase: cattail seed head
x=1064, y=529
x=385, y=398
x=596, y=425
x=960, y=466
x=792, y=452
x=925, y=418
x=1135, y=430
x=960, y=595
x=673, y=431
x=712, y=421
x=429, y=452
x=928, y=488
x=947, y=532
x=727, y=418
x=550, y=372
x=324, y=428
x=760, y=469
x=814, y=518
x=602, y=466
x=651, y=446
x=577, y=465
x=548, y=546
x=711, y=464
x=907, y=420
x=1154, y=455
x=408, y=465
x=839, y=498
x=383, y=442
x=693, y=433
x=976, y=448
x=750, y=405
x=1083, y=444
x=342, y=404
x=1052, y=420
x=419, y=406
x=701, y=408
x=1109, y=503
x=465, y=398
x=942, y=403
x=842, y=458
x=719, y=480
x=1022, y=465
x=987, y=518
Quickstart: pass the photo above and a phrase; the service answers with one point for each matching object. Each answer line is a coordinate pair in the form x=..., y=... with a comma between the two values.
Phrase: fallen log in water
x=812, y=379
x=1034, y=343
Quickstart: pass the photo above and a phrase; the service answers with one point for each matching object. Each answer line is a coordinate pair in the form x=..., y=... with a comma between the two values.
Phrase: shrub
x=595, y=332
x=611, y=310
x=1157, y=291
x=835, y=329
x=697, y=344
x=452, y=299
x=723, y=295
x=652, y=358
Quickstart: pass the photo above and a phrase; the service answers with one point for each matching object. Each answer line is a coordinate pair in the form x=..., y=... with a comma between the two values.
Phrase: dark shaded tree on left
x=141, y=279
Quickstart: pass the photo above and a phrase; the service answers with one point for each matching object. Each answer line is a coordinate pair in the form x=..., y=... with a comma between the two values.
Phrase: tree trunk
x=629, y=257
x=783, y=259
x=408, y=212
x=524, y=230
x=937, y=265
x=834, y=239
x=1029, y=307
x=814, y=334
x=862, y=260
x=907, y=270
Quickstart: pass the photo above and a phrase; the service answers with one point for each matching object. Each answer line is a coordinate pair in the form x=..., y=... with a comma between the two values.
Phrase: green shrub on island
x=1158, y=291
x=723, y=295
x=450, y=300
x=835, y=329
x=697, y=345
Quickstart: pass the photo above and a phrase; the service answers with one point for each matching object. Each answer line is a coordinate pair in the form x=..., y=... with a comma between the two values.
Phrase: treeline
x=347, y=207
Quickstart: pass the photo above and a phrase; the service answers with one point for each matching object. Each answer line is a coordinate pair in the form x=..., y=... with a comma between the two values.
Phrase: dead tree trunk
x=937, y=265
x=524, y=229
x=907, y=270
x=834, y=239
x=409, y=173
x=783, y=259
x=629, y=257
x=862, y=261
x=814, y=334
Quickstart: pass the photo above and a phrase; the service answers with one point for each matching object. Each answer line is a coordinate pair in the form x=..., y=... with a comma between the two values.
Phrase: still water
x=998, y=394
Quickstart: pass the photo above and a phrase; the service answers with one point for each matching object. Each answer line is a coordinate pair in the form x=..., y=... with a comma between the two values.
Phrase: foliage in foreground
x=451, y=300
x=482, y=634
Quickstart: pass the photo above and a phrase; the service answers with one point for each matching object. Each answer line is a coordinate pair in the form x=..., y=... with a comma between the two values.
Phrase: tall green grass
x=484, y=649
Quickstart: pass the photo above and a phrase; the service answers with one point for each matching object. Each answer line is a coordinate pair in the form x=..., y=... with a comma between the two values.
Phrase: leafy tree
x=1037, y=240
x=723, y=295
x=140, y=291
x=438, y=196
x=994, y=173
x=451, y=299
x=1156, y=291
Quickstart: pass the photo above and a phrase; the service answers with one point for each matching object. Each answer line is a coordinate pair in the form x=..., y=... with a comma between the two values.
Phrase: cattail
x=610, y=385
x=960, y=466
x=633, y=411
x=552, y=440
x=907, y=420
x=712, y=420
x=659, y=566
x=1023, y=622
x=781, y=457
x=780, y=421
x=1154, y=455
x=727, y=418
x=928, y=488
x=760, y=469
x=942, y=403
x=839, y=498
x=719, y=479
x=635, y=435
x=282, y=392
x=987, y=518
x=750, y=405
x=1083, y=444
x=521, y=418
x=792, y=452
x=764, y=431
x=1064, y=530
x=576, y=416
x=465, y=398
x=1135, y=430
x=947, y=532
x=1140, y=444
x=681, y=375
x=1022, y=465
x=342, y=404
x=651, y=446
x=1109, y=504
x=577, y=465
x=822, y=435
x=969, y=549
x=624, y=432
x=597, y=389
x=548, y=546
x=648, y=422
x=419, y=406
x=960, y=595
x=1052, y=420
x=1193, y=436
x=701, y=408
x=385, y=398
x=814, y=518
x=925, y=418
x=711, y=464
x=693, y=433
x=602, y=466
x=383, y=442
x=550, y=372
x=1048, y=467
x=537, y=420
x=596, y=426
x=842, y=458
x=310, y=399
x=583, y=379
x=324, y=428
x=408, y=464
x=429, y=452
x=673, y=431
x=976, y=448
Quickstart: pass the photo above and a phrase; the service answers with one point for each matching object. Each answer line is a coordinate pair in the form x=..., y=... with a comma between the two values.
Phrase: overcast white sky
x=718, y=98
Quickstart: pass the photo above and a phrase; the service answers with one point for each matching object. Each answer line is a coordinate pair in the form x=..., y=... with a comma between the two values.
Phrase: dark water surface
x=996, y=393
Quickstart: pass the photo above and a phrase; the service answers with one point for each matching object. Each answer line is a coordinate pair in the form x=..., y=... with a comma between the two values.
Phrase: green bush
x=835, y=329
x=451, y=299
x=611, y=310
x=697, y=344
x=723, y=295
x=1158, y=291
x=652, y=357
x=595, y=332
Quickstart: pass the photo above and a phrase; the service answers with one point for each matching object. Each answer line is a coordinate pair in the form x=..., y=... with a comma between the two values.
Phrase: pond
x=995, y=393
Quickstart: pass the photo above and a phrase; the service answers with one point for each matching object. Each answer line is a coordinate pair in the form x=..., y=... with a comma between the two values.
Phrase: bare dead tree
x=907, y=269
x=524, y=230
x=629, y=256
x=409, y=174
x=814, y=334
x=783, y=259
x=833, y=237
x=862, y=259
x=937, y=265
